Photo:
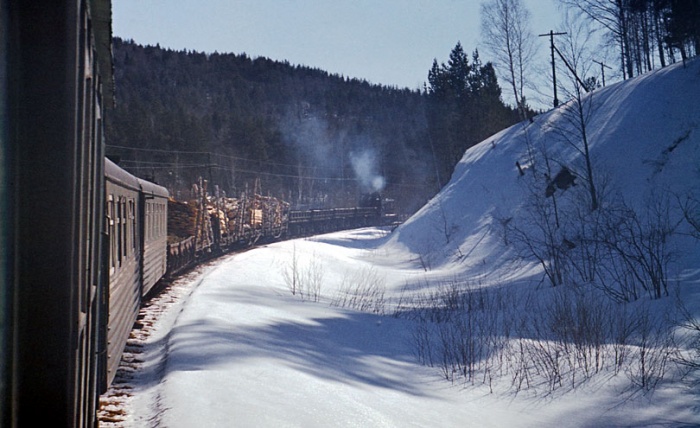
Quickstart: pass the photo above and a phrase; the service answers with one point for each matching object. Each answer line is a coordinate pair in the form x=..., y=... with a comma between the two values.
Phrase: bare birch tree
x=576, y=55
x=505, y=25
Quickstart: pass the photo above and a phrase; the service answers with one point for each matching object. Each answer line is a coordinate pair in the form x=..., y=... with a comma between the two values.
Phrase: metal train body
x=136, y=218
x=55, y=84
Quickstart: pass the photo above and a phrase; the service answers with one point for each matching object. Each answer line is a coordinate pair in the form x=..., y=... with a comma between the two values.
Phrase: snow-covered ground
x=230, y=345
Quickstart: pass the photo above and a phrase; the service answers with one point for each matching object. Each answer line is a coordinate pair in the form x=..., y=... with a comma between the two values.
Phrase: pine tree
x=464, y=107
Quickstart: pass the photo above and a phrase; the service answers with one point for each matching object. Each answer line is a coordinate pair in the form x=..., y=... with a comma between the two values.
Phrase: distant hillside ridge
x=243, y=122
x=301, y=134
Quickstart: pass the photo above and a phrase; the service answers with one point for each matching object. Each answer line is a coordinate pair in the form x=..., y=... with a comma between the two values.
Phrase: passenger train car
x=55, y=88
x=136, y=235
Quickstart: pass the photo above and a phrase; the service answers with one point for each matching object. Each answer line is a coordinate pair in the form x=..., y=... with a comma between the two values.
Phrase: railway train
x=141, y=250
x=82, y=241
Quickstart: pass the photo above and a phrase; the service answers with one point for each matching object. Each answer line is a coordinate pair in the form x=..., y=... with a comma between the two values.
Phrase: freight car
x=208, y=226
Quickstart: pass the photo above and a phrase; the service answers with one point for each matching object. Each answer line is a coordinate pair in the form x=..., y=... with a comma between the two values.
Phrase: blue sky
x=389, y=42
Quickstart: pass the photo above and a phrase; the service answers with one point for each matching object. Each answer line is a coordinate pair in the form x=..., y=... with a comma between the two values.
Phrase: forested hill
x=294, y=132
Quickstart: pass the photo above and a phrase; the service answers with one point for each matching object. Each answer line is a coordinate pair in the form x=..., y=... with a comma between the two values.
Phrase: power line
x=136, y=165
x=209, y=154
x=571, y=69
x=146, y=165
x=141, y=165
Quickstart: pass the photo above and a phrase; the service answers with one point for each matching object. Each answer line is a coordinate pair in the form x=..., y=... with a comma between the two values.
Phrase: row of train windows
x=156, y=220
x=121, y=218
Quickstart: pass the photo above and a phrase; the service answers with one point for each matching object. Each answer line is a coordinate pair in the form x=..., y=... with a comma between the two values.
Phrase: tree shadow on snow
x=352, y=348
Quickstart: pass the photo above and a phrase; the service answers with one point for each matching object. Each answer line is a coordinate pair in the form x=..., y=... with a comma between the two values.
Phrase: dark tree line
x=646, y=31
x=464, y=107
x=255, y=124
x=294, y=132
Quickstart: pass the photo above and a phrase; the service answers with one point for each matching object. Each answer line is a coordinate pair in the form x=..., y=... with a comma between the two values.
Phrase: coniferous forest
x=300, y=134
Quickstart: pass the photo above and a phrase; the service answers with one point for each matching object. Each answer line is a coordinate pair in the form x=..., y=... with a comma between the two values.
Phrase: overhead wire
x=134, y=164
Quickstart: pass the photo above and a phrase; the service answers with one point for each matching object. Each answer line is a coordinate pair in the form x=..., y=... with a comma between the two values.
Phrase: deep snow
x=230, y=345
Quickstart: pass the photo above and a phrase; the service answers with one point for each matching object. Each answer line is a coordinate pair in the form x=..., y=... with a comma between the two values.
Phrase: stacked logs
x=207, y=217
x=228, y=212
x=181, y=220
x=252, y=212
x=274, y=211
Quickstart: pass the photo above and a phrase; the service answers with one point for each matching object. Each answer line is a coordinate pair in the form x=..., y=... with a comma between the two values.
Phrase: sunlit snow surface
x=237, y=349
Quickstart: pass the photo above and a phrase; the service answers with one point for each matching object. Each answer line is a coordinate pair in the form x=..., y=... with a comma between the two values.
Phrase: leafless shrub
x=292, y=273
x=541, y=340
x=304, y=279
x=617, y=249
x=652, y=352
x=633, y=252
x=363, y=290
x=690, y=206
x=534, y=235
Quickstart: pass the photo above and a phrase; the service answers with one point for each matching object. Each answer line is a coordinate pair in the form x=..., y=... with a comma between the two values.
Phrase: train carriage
x=123, y=236
x=136, y=234
x=55, y=83
x=154, y=206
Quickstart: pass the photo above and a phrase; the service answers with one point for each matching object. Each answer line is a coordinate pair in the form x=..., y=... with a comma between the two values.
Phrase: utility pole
x=551, y=35
x=602, y=69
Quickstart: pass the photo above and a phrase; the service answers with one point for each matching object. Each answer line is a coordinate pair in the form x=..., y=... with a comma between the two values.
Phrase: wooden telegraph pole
x=602, y=69
x=551, y=35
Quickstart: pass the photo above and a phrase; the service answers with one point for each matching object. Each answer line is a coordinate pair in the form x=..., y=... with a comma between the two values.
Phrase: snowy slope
x=241, y=351
x=237, y=349
x=644, y=137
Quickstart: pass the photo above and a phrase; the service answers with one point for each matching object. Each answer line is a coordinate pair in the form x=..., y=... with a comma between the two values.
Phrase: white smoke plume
x=365, y=166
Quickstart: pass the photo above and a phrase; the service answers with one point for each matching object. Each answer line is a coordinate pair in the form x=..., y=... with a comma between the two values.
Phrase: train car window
x=110, y=232
x=125, y=230
x=132, y=218
x=148, y=221
x=160, y=220
x=118, y=220
x=155, y=220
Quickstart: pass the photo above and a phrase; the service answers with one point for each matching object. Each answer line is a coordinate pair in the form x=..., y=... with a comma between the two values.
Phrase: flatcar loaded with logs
x=207, y=225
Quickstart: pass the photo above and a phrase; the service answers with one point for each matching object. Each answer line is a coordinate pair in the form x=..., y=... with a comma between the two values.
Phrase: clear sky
x=389, y=42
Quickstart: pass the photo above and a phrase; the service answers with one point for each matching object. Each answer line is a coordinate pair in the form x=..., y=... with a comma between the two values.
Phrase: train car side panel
x=124, y=262
x=53, y=141
x=154, y=202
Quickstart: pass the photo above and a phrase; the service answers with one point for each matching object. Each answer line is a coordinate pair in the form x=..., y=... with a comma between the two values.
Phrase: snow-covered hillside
x=448, y=320
x=644, y=137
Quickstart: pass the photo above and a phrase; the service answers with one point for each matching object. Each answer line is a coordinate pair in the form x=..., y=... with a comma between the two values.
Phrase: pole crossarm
x=603, y=66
